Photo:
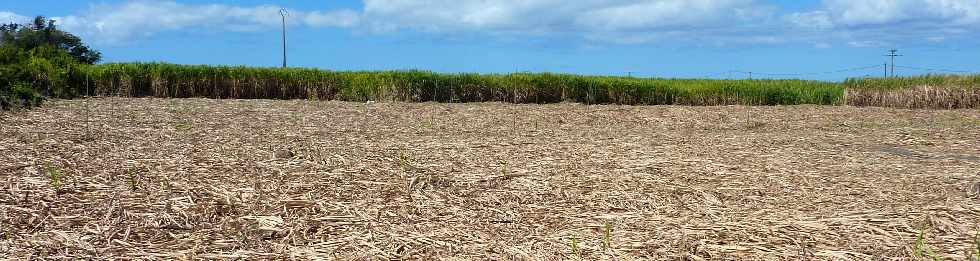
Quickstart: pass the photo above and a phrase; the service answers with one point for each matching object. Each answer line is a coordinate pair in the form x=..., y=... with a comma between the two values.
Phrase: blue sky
x=662, y=38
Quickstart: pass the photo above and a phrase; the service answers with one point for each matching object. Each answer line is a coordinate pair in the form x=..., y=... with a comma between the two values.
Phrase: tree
x=44, y=32
x=36, y=60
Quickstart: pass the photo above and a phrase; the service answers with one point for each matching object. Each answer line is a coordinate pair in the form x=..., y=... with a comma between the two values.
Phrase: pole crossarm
x=893, y=54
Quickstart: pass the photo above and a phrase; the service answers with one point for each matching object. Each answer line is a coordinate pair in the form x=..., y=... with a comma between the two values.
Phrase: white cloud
x=866, y=44
x=338, y=18
x=761, y=40
x=455, y=15
x=614, y=21
x=872, y=23
x=818, y=20
x=622, y=21
x=118, y=24
x=891, y=13
x=669, y=14
x=114, y=24
x=879, y=12
x=9, y=17
x=553, y=15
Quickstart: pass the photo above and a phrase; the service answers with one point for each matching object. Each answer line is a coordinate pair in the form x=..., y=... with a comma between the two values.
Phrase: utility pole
x=283, y=13
x=893, y=55
x=886, y=69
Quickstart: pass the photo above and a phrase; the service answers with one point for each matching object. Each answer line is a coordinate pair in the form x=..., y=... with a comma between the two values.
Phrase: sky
x=817, y=39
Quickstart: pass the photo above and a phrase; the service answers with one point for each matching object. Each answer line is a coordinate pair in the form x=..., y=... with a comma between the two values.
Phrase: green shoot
x=403, y=160
x=921, y=250
x=183, y=126
x=976, y=243
x=575, y=249
x=55, y=176
x=917, y=247
x=503, y=170
x=606, y=236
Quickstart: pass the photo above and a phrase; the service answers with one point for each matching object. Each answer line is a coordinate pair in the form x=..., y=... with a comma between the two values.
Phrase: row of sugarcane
x=179, y=81
x=238, y=82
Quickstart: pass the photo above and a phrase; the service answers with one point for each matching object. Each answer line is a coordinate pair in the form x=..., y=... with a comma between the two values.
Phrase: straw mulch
x=916, y=97
x=256, y=179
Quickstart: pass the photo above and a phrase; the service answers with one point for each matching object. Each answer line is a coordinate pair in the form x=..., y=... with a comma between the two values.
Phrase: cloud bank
x=616, y=21
x=895, y=13
x=118, y=24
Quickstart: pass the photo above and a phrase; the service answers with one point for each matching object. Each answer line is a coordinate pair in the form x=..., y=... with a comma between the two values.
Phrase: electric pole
x=283, y=13
x=893, y=55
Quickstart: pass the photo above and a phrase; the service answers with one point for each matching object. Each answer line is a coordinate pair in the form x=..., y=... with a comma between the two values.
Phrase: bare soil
x=259, y=179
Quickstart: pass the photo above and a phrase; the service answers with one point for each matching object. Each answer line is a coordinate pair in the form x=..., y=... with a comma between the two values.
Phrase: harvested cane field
x=261, y=179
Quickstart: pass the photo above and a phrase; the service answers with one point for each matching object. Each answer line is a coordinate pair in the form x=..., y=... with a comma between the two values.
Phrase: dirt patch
x=258, y=179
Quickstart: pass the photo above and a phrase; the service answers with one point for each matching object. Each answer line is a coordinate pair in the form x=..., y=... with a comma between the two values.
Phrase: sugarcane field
x=265, y=179
x=490, y=130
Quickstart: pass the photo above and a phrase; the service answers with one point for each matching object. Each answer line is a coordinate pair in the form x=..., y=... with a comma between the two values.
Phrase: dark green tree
x=38, y=59
x=44, y=32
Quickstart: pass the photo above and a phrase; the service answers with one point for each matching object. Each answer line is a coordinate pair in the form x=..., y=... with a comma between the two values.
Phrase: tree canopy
x=44, y=32
x=37, y=60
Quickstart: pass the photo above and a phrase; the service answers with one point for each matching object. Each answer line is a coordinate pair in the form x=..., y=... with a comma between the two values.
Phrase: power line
x=893, y=55
x=812, y=73
x=933, y=69
x=876, y=66
x=719, y=75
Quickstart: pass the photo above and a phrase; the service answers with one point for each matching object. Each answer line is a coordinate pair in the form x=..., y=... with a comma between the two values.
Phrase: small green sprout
x=55, y=176
x=976, y=243
x=575, y=249
x=922, y=250
x=606, y=236
x=183, y=126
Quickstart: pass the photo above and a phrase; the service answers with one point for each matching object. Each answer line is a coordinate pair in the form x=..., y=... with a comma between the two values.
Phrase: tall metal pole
x=893, y=61
x=893, y=55
x=283, y=13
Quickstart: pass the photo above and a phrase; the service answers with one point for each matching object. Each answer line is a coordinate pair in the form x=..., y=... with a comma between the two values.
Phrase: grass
x=183, y=126
x=922, y=250
x=403, y=161
x=575, y=249
x=181, y=81
x=55, y=175
x=606, y=236
x=177, y=81
x=976, y=244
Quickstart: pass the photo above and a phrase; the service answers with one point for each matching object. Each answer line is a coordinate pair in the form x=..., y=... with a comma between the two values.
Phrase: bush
x=37, y=60
x=19, y=95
